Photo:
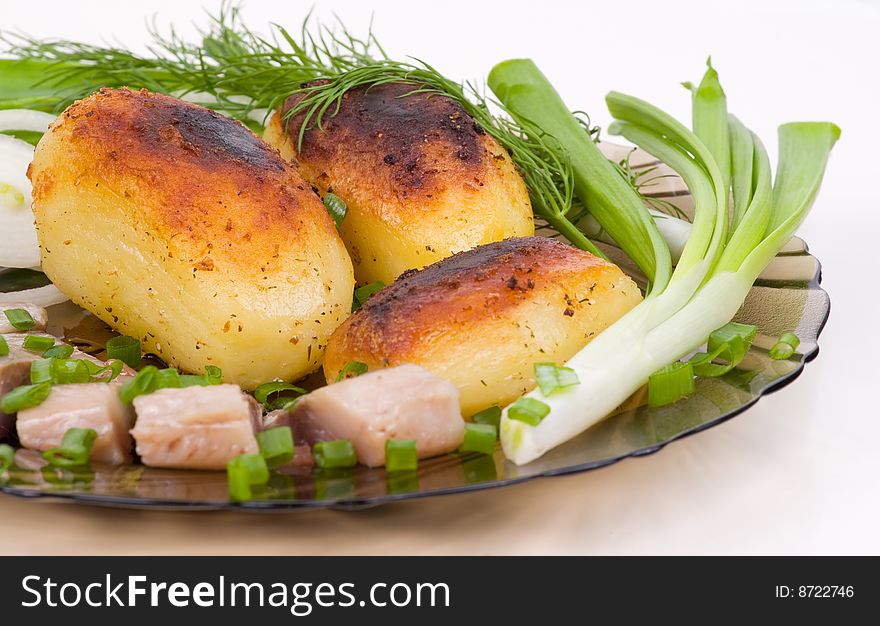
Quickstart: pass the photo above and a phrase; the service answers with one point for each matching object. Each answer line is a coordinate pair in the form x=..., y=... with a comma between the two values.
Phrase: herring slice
x=87, y=405
x=404, y=402
x=195, y=427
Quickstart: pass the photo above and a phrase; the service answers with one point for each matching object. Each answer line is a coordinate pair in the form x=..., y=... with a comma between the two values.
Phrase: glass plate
x=787, y=297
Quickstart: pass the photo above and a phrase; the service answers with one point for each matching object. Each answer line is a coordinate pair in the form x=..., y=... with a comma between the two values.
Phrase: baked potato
x=180, y=227
x=482, y=318
x=421, y=179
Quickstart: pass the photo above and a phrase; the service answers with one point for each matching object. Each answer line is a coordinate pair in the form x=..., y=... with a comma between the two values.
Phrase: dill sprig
x=246, y=76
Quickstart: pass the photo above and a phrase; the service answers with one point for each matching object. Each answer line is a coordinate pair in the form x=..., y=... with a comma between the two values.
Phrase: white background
x=796, y=474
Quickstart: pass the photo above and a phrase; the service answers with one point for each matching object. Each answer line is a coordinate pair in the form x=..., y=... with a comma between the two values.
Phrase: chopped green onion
x=65, y=371
x=167, y=378
x=37, y=343
x=785, y=347
x=25, y=397
x=528, y=410
x=213, y=375
x=361, y=294
x=69, y=371
x=401, y=455
x=4, y=347
x=41, y=371
x=126, y=349
x=551, y=378
x=244, y=471
x=726, y=334
x=269, y=394
x=7, y=456
x=97, y=372
x=276, y=445
x=330, y=454
x=671, y=383
x=336, y=207
x=352, y=369
x=76, y=445
x=20, y=319
x=731, y=342
x=492, y=415
x=479, y=438
x=191, y=380
x=145, y=382
x=60, y=351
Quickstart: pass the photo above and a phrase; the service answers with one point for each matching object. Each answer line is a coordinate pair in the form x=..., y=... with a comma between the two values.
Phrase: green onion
x=330, y=454
x=785, y=347
x=528, y=410
x=126, y=349
x=145, y=382
x=37, y=343
x=671, y=383
x=213, y=375
x=336, y=207
x=25, y=397
x=479, y=438
x=551, y=378
x=66, y=371
x=401, y=455
x=731, y=342
x=361, y=294
x=69, y=371
x=715, y=272
x=243, y=472
x=492, y=415
x=4, y=347
x=710, y=119
x=97, y=372
x=191, y=380
x=41, y=371
x=268, y=394
x=731, y=330
x=352, y=369
x=276, y=445
x=167, y=378
x=7, y=456
x=76, y=445
x=61, y=351
x=20, y=319
x=610, y=199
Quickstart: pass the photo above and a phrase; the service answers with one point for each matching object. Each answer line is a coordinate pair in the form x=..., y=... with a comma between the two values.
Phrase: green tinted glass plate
x=787, y=297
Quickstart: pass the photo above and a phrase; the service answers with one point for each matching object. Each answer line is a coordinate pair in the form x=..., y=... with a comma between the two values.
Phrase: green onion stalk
x=718, y=265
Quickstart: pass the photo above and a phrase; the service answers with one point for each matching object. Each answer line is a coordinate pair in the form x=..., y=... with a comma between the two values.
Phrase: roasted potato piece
x=178, y=226
x=481, y=319
x=421, y=179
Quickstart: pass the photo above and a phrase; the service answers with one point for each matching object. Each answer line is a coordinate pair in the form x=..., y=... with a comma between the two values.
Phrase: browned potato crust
x=422, y=180
x=482, y=318
x=179, y=226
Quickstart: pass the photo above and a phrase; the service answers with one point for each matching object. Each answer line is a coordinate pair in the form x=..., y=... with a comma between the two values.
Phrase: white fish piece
x=86, y=405
x=41, y=318
x=403, y=402
x=15, y=370
x=195, y=427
